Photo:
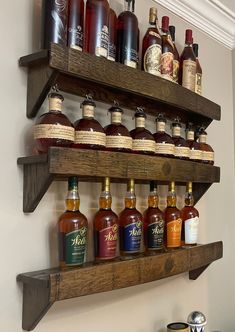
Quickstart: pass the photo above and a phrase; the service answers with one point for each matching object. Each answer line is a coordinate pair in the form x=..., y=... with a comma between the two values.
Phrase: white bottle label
x=208, y=156
x=182, y=151
x=152, y=60
x=165, y=148
x=144, y=145
x=102, y=42
x=191, y=230
x=123, y=142
x=189, y=74
x=90, y=137
x=53, y=131
x=196, y=154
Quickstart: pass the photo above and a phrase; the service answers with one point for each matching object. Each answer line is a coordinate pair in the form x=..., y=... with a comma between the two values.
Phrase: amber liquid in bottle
x=112, y=47
x=165, y=146
x=182, y=150
x=190, y=217
x=198, y=83
x=207, y=151
x=76, y=24
x=176, y=61
x=96, y=27
x=195, y=151
x=73, y=229
x=105, y=226
x=167, y=51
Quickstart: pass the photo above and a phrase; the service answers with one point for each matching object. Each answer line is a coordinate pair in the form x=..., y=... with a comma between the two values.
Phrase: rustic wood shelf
x=81, y=73
x=93, y=165
x=41, y=289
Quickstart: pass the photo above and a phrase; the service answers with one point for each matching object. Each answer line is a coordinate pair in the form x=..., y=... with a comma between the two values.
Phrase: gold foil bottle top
x=189, y=187
x=106, y=184
x=172, y=186
x=153, y=15
x=131, y=186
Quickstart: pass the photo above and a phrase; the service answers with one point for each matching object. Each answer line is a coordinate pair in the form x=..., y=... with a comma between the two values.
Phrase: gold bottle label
x=198, y=85
x=123, y=142
x=189, y=74
x=167, y=65
x=144, y=145
x=90, y=137
x=176, y=66
x=152, y=60
x=165, y=148
x=182, y=151
x=53, y=131
x=196, y=154
x=208, y=156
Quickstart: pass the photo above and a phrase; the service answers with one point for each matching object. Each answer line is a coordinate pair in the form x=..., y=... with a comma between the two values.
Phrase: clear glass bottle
x=167, y=57
x=112, y=35
x=198, y=84
x=176, y=61
x=165, y=146
x=195, y=151
x=182, y=150
x=76, y=24
x=208, y=156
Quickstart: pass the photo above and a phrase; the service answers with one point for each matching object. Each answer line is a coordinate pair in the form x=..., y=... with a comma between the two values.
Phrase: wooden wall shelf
x=43, y=288
x=81, y=73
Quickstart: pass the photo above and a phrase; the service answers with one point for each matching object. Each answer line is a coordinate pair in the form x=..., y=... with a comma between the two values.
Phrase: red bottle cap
x=165, y=23
x=188, y=36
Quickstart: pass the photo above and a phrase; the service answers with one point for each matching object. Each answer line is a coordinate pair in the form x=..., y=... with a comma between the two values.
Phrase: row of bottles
x=55, y=129
x=161, y=231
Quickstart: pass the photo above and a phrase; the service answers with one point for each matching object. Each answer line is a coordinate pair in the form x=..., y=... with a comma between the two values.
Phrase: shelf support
x=199, y=189
x=194, y=274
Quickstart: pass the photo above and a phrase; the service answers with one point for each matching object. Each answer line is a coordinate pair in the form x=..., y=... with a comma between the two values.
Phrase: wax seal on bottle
x=197, y=321
x=178, y=326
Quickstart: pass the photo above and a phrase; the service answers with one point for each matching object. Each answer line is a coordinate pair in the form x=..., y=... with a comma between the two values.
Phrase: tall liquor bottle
x=153, y=222
x=127, y=36
x=198, y=84
x=176, y=61
x=105, y=226
x=96, y=27
x=118, y=137
x=190, y=217
x=131, y=224
x=76, y=24
x=143, y=140
x=182, y=150
x=112, y=35
x=195, y=151
x=54, y=22
x=167, y=57
x=188, y=63
x=173, y=221
x=152, y=46
x=89, y=134
x=73, y=229
x=165, y=146
x=207, y=151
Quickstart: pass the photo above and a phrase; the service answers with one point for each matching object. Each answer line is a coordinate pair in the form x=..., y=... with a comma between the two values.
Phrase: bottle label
x=161, y=126
x=165, y=148
x=132, y=234
x=176, y=67
x=202, y=138
x=189, y=74
x=130, y=57
x=152, y=59
x=176, y=131
x=108, y=242
x=90, y=137
x=144, y=145
x=191, y=230
x=120, y=142
x=208, y=155
x=112, y=52
x=190, y=135
x=55, y=104
x=182, y=151
x=75, y=36
x=102, y=42
x=174, y=233
x=198, y=86
x=167, y=65
x=53, y=131
x=155, y=234
x=140, y=122
x=88, y=111
x=75, y=246
x=196, y=154
x=116, y=117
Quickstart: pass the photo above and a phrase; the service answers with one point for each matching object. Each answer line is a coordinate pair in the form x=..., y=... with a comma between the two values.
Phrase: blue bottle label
x=132, y=237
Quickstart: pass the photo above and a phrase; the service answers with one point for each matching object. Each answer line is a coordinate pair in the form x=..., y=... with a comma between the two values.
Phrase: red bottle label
x=108, y=242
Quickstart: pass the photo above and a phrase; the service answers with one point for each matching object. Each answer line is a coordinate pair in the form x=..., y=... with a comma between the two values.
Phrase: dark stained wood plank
x=34, y=58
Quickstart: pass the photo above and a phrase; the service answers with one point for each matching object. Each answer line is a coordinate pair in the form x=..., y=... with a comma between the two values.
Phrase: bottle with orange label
x=173, y=221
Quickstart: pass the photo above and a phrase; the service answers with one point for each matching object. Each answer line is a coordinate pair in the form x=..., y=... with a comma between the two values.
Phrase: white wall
x=28, y=242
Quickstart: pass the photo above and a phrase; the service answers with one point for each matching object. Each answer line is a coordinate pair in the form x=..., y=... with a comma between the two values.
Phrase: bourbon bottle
x=176, y=61
x=131, y=224
x=190, y=217
x=152, y=46
x=89, y=134
x=173, y=221
x=198, y=83
x=167, y=57
x=182, y=150
x=76, y=24
x=153, y=222
x=165, y=146
x=118, y=137
x=207, y=151
x=112, y=35
x=96, y=27
x=195, y=151
x=127, y=36
x=105, y=226
x=143, y=140
x=73, y=229
x=53, y=128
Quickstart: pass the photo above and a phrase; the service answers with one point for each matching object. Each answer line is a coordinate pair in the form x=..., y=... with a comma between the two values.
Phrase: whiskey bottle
x=118, y=137
x=173, y=221
x=182, y=150
x=190, y=217
x=89, y=134
x=96, y=27
x=165, y=146
x=53, y=128
x=207, y=151
x=198, y=83
x=73, y=229
x=176, y=61
x=152, y=46
x=127, y=36
x=105, y=226
x=195, y=151
x=76, y=24
x=188, y=63
x=112, y=35
x=153, y=222
x=167, y=57
x=54, y=22
x=131, y=224
x=143, y=140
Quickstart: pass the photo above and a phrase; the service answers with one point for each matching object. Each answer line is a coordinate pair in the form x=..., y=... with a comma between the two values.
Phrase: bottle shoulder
x=141, y=133
x=116, y=129
x=54, y=118
x=179, y=141
x=105, y=215
x=188, y=54
x=88, y=124
x=189, y=212
x=152, y=212
x=72, y=217
x=130, y=214
x=163, y=137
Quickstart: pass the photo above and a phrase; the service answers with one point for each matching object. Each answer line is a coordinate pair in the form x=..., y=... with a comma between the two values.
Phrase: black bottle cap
x=88, y=101
x=160, y=118
x=140, y=113
x=176, y=123
x=153, y=186
x=115, y=107
x=172, y=32
x=177, y=327
x=56, y=95
x=202, y=131
x=190, y=126
x=195, y=49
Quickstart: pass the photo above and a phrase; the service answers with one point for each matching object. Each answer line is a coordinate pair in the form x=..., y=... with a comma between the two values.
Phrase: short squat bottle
x=207, y=151
x=165, y=146
x=195, y=151
x=182, y=150
x=76, y=24
x=176, y=61
x=167, y=57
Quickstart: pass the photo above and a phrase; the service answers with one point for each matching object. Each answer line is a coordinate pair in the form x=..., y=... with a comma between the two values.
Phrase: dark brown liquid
x=117, y=129
x=152, y=37
x=76, y=23
x=141, y=133
x=187, y=54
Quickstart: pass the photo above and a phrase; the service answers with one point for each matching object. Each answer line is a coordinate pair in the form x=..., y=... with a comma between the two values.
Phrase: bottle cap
x=202, y=131
x=106, y=184
x=172, y=186
x=140, y=113
x=160, y=118
x=56, y=95
x=88, y=101
x=152, y=15
x=172, y=32
x=115, y=107
x=176, y=123
x=165, y=23
x=180, y=327
x=188, y=36
x=195, y=49
x=153, y=186
x=131, y=185
x=189, y=187
x=72, y=182
x=190, y=127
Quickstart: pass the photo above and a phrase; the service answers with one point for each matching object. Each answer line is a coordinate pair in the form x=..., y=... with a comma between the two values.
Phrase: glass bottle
x=112, y=35
x=73, y=229
x=173, y=221
x=53, y=128
x=118, y=137
x=143, y=140
x=176, y=61
x=127, y=36
x=89, y=134
x=152, y=46
x=131, y=224
x=153, y=222
x=105, y=226
x=167, y=57
x=54, y=22
x=96, y=27
x=76, y=24
x=188, y=63
x=165, y=146
x=182, y=150
x=207, y=151
x=195, y=151
x=198, y=84
x=190, y=217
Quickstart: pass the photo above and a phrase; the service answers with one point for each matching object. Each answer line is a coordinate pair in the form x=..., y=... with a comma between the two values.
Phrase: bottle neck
x=153, y=199
x=55, y=104
x=73, y=199
x=189, y=201
x=140, y=122
x=88, y=111
x=130, y=200
x=176, y=131
x=116, y=117
x=171, y=199
x=105, y=200
x=202, y=138
x=190, y=135
x=161, y=126
x=129, y=5
x=188, y=44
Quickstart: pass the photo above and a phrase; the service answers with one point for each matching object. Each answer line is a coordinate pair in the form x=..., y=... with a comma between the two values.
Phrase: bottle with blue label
x=131, y=225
